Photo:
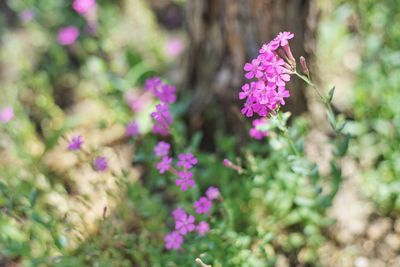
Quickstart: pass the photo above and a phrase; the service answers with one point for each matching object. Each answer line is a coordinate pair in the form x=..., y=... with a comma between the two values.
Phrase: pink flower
x=83, y=6
x=75, y=143
x=203, y=205
x=185, y=224
x=100, y=164
x=227, y=162
x=27, y=15
x=283, y=38
x=173, y=240
x=202, y=228
x=138, y=101
x=185, y=180
x=253, y=69
x=281, y=94
x=6, y=114
x=152, y=84
x=68, y=35
x=174, y=47
x=164, y=164
x=132, y=129
x=162, y=149
x=213, y=192
x=255, y=132
x=178, y=213
x=162, y=119
x=186, y=160
x=166, y=94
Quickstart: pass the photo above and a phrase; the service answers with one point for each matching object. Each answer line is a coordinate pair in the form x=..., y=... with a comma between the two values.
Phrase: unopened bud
x=304, y=66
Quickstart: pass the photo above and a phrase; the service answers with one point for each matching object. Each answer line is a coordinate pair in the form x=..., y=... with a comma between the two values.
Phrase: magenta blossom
x=202, y=228
x=75, y=143
x=68, y=35
x=271, y=69
x=132, y=129
x=6, y=114
x=185, y=180
x=173, y=240
x=166, y=94
x=178, y=213
x=164, y=164
x=162, y=149
x=255, y=132
x=152, y=84
x=100, y=164
x=186, y=160
x=162, y=119
x=185, y=224
x=83, y=6
x=203, y=205
x=212, y=193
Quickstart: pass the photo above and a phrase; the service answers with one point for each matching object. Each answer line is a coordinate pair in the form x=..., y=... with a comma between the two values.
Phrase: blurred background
x=65, y=72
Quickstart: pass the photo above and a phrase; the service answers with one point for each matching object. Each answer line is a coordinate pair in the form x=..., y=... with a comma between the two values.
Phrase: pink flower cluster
x=185, y=162
x=166, y=93
x=185, y=223
x=271, y=71
x=204, y=204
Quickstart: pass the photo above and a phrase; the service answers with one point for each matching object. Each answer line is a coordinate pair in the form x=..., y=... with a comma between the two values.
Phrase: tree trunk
x=223, y=35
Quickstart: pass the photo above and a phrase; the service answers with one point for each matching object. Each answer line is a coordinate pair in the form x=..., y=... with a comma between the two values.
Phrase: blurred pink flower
x=185, y=224
x=203, y=205
x=173, y=240
x=6, y=114
x=27, y=15
x=67, y=35
x=100, y=164
x=83, y=6
x=178, y=213
x=185, y=180
x=212, y=193
x=132, y=129
x=202, y=228
x=164, y=164
x=138, y=101
x=255, y=132
x=174, y=47
x=75, y=143
x=162, y=149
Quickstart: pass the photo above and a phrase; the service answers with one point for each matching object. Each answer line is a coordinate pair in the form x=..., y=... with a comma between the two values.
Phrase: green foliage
x=376, y=106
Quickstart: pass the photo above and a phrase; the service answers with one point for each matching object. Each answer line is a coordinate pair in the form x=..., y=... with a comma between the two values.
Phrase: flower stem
x=285, y=131
x=310, y=83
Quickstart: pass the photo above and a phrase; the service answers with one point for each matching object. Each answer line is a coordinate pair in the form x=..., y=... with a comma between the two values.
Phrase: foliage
x=376, y=104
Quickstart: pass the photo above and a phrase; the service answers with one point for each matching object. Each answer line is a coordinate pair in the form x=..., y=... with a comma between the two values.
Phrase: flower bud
x=304, y=66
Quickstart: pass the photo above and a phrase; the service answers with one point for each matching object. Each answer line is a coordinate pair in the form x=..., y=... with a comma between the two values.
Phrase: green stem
x=310, y=83
x=287, y=136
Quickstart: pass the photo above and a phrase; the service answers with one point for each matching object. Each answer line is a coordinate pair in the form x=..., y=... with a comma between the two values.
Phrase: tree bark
x=223, y=35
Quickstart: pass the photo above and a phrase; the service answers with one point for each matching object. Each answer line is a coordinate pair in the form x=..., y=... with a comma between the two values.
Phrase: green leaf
x=331, y=118
x=330, y=94
x=342, y=146
x=32, y=197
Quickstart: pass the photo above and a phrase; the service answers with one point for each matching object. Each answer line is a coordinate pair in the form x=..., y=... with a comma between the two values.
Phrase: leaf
x=342, y=146
x=331, y=118
x=330, y=94
x=32, y=197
